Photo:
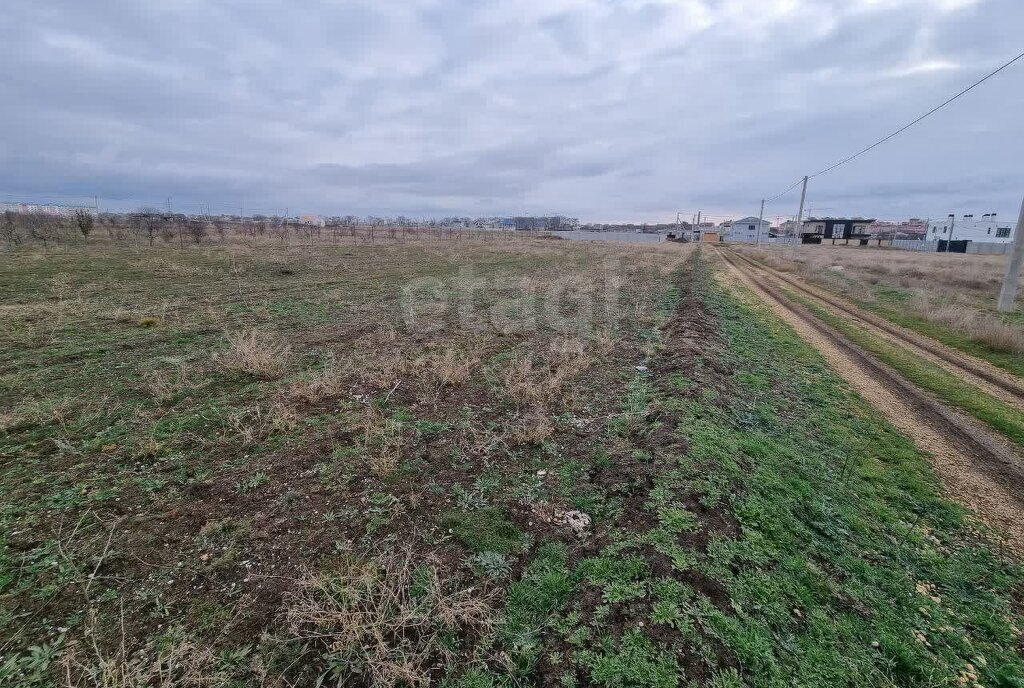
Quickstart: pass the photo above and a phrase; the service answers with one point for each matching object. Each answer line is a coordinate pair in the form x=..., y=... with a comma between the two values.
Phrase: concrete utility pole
x=800, y=215
x=1008, y=293
x=760, y=219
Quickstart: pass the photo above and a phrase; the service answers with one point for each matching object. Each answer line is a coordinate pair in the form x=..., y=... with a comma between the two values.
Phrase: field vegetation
x=1001, y=416
x=431, y=459
x=949, y=297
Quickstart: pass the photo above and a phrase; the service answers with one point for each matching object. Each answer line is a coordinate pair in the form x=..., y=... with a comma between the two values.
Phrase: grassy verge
x=848, y=569
x=943, y=384
x=770, y=530
x=1010, y=362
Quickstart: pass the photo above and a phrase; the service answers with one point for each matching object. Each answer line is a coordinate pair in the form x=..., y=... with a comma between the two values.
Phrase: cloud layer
x=604, y=109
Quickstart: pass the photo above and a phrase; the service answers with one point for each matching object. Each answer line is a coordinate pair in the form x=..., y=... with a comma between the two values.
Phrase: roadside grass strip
x=943, y=384
x=1008, y=361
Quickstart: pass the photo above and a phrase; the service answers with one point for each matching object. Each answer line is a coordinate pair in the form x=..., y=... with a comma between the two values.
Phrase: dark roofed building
x=836, y=228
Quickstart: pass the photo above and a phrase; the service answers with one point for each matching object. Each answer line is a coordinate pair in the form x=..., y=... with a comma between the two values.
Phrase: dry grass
x=452, y=386
x=531, y=427
x=9, y=420
x=382, y=440
x=164, y=385
x=325, y=383
x=976, y=325
x=172, y=663
x=387, y=616
x=956, y=291
x=252, y=425
x=977, y=276
x=257, y=353
x=180, y=665
x=534, y=380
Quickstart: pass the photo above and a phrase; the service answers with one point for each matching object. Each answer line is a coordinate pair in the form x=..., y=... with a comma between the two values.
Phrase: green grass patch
x=484, y=530
x=850, y=568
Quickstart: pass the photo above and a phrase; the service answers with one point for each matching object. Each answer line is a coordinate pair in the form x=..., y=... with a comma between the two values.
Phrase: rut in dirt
x=979, y=469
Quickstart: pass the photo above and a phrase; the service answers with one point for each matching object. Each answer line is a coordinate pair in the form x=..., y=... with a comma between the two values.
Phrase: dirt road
x=978, y=468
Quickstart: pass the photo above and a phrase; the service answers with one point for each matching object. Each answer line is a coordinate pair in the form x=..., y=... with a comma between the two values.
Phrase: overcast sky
x=601, y=109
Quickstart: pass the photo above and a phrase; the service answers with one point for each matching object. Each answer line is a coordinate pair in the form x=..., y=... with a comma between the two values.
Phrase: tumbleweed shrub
x=389, y=619
x=255, y=352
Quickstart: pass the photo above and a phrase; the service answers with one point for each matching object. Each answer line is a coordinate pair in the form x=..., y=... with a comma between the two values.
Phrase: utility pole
x=169, y=206
x=698, y=226
x=1008, y=293
x=760, y=219
x=800, y=215
x=949, y=241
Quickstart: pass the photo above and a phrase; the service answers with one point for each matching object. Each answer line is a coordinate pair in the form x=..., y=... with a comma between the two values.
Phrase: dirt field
x=467, y=463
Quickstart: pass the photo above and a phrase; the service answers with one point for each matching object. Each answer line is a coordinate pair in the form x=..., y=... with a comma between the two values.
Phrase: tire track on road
x=997, y=382
x=977, y=469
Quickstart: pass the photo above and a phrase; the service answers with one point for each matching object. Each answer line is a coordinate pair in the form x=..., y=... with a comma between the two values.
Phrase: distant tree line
x=148, y=227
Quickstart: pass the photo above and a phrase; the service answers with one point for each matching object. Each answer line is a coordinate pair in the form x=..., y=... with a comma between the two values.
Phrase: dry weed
x=532, y=427
x=952, y=290
x=446, y=368
x=531, y=380
x=378, y=369
x=9, y=419
x=171, y=663
x=180, y=665
x=164, y=385
x=260, y=354
x=325, y=383
x=389, y=615
x=382, y=440
x=254, y=424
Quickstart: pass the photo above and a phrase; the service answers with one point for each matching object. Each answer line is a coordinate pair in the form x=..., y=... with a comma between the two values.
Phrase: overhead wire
x=902, y=129
x=779, y=195
x=899, y=131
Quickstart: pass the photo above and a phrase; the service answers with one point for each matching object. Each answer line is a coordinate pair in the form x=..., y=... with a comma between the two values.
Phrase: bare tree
x=197, y=230
x=85, y=222
x=9, y=229
x=43, y=228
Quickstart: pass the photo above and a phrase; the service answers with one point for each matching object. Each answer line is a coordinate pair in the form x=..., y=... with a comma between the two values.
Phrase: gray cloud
x=605, y=109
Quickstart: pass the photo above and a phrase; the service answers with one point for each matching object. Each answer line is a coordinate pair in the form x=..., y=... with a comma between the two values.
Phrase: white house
x=985, y=228
x=745, y=230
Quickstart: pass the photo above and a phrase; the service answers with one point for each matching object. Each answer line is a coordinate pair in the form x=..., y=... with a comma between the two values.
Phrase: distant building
x=836, y=228
x=47, y=209
x=699, y=230
x=787, y=228
x=746, y=230
x=312, y=221
x=914, y=228
x=985, y=228
x=552, y=223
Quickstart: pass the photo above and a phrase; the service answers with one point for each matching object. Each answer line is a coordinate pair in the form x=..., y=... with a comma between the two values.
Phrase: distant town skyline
x=607, y=111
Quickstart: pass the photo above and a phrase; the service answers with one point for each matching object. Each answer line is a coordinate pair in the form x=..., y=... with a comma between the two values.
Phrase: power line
x=907, y=126
x=777, y=196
